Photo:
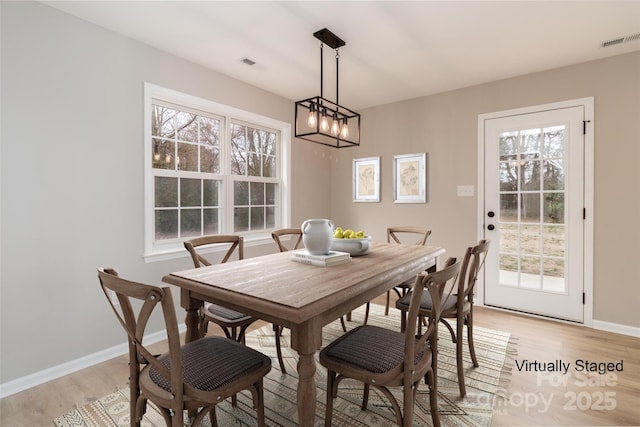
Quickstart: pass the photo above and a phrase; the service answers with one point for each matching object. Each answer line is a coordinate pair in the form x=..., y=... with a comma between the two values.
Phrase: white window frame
x=175, y=249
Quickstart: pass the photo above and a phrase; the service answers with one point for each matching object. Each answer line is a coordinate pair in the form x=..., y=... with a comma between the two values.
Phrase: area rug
x=484, y=384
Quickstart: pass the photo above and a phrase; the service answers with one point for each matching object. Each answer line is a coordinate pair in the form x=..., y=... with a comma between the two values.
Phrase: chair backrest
x=439, y=284
x=233, y=241
x=472, y=263
x=135, y=325
x=283, y=232
x=410, y=235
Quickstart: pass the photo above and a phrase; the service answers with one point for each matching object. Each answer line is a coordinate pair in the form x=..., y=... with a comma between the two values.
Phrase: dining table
x=299, y=296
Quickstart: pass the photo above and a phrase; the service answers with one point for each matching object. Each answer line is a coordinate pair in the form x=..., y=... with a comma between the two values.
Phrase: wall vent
x=620, y=40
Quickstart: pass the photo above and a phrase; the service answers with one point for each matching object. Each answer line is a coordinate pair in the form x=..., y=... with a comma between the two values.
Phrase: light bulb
x=345, y=130
x=335, y=126
x=156, y=157
x=167, y=158
x=324, y=122
x=311, y=120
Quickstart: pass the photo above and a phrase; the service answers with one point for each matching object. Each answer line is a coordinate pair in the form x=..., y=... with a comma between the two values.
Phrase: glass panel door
x=534, y=201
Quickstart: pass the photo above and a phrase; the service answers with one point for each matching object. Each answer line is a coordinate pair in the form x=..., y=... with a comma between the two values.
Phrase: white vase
x=317, y=235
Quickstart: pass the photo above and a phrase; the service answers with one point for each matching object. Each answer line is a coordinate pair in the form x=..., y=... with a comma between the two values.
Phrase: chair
x=294, y=233
x=402, y=235
x=233, y=323
x=459, y=308
x=296, y=236
x=383, y=358
x=193, y=377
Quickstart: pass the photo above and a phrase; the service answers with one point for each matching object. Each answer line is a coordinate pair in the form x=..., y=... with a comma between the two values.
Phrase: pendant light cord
x=337, y=74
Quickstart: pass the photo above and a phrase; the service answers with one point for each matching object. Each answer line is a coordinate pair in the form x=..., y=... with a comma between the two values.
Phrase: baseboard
x=600, y=325
x=617, y=328
x=38, y=378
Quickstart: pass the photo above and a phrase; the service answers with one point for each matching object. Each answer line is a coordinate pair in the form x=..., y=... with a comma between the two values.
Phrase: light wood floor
x=533, y=399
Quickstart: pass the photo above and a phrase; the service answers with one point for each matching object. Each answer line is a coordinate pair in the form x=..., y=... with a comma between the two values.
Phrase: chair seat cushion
x=212, y=362
x=426, y=303
x=370, y=348
x=225, y=313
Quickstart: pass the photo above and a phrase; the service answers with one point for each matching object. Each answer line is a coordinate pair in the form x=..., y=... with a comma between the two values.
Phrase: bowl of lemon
x=355, y=243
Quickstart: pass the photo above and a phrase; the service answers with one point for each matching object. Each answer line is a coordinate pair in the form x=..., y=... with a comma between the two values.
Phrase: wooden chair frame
x=418, y=360
x=234, y=329
x=462, y=310
x=183, y=396
x=295, y=233
x=394, y=235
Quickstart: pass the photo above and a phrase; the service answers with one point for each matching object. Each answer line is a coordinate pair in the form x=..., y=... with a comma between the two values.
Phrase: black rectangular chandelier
x=322, y=121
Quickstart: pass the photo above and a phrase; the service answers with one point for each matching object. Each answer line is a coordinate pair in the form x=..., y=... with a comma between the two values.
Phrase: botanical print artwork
x=409, y=178
x=366, y=181
x=410, y=182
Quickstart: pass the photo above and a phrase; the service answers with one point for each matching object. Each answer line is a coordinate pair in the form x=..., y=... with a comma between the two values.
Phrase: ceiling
x=394, y=50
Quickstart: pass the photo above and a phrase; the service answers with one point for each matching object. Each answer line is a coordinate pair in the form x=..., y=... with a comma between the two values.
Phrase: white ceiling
x=394, y=50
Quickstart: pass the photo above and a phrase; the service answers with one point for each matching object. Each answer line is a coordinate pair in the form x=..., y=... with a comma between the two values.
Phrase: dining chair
x=233, y=323
x=383, y=358
x=193, y=377
x=459, y=308
x=410, y=235
x=295, y=237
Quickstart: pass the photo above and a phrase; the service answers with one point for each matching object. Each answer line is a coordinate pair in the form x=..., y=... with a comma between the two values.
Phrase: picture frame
x=410, y=178
x=366, y=179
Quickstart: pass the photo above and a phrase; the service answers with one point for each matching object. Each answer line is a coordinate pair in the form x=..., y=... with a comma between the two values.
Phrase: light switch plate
x=465, y=190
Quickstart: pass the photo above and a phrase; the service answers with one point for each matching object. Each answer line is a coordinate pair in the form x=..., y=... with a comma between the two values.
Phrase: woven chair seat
x=371, y=348
x=425, y=302
x=226, y=313
x=210, y=363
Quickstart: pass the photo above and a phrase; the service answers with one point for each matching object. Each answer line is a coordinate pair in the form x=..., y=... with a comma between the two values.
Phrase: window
x=211, y=169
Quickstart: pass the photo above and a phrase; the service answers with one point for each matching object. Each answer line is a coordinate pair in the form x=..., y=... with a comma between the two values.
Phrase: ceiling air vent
x=248, y=61
x=621, y=40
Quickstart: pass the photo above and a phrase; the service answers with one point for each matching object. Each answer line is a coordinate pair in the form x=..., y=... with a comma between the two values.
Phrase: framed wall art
x=410, y=178
x=366, y=179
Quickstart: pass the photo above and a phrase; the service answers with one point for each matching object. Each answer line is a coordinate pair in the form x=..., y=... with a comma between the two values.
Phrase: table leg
x=306, y=389
x=192, y=320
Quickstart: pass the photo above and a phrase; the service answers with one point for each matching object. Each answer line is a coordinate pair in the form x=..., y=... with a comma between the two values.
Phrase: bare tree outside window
x=532, y=183
x=253, y=155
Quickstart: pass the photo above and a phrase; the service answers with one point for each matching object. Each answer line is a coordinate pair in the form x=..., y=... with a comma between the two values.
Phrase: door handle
x=491, y=214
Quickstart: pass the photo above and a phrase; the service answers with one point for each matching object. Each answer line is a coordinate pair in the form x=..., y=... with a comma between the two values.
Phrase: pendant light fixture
x=322, y=121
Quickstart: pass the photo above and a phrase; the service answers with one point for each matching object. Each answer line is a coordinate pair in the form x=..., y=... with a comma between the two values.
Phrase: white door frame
x=588, y=104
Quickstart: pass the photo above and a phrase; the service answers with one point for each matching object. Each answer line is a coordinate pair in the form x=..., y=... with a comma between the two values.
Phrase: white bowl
x=355, y=247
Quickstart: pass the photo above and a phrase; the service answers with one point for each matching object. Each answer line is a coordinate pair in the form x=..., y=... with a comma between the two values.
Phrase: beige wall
x=445, y=126
x=72, y=186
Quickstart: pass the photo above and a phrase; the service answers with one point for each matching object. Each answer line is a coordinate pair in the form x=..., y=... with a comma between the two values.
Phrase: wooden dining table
x=299, y=296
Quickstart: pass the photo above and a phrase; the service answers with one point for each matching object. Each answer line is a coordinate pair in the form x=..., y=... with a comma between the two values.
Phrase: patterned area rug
x=483, y=387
